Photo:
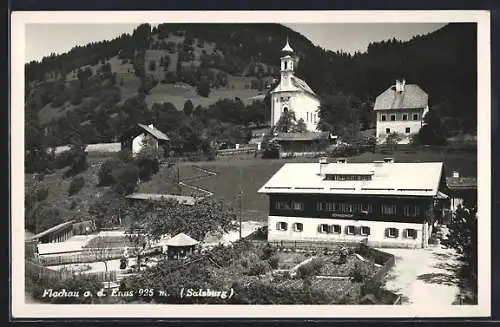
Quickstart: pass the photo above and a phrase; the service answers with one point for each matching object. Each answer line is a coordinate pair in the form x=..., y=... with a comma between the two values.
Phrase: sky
x=43, y=39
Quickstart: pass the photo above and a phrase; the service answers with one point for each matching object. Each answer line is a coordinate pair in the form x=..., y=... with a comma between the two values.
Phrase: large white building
x=293, y=94
x=400, y=109
x=384, y=204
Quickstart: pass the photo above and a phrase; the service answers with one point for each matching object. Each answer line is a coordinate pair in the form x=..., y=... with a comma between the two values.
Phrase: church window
x=285, y=64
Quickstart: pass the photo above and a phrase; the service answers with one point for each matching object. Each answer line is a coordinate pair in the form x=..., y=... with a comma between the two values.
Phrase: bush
x=359, y=273
x=274, y=261
x=258, y=268
x=267, y=252
x=42, y=194
x=76, y=185
x=107, y=170
x=203, y=88
x=309, y=269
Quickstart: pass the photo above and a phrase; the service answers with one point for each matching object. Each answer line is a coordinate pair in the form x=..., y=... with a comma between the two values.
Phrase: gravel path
x=425, y=277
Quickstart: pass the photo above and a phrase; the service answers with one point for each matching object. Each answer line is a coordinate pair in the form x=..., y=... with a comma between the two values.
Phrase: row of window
x=390, y=232
x=339, y=177
x=311, y=117
x=407, y=130
x=341, y=207
x=393, y=117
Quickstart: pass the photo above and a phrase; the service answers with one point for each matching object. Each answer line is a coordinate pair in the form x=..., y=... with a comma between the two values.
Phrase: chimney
x=400, y=85
x=323, y=162
x=455, y=174
x=389, y=160
x=341, y=160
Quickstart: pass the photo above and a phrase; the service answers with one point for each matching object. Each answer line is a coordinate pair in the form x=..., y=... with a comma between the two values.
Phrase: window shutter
x=330, y=229
x=397, y=232
x=357, y=230
x=387, y=232
x=319, y=228
x=277, y=226
x=286, y=226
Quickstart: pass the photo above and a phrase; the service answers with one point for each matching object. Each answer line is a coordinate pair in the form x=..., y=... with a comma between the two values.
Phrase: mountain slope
x=204, y=63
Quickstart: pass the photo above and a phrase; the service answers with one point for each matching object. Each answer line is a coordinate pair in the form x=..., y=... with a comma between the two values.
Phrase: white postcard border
x=22, y=310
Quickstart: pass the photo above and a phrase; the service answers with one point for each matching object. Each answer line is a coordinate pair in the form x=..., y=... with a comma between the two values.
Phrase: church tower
x=287, y=63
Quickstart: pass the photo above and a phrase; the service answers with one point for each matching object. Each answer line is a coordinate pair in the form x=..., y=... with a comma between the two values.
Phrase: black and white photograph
x=250, y=164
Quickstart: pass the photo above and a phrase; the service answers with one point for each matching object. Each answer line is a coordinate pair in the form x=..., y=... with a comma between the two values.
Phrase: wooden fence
x=42, y=271
x=232, y=152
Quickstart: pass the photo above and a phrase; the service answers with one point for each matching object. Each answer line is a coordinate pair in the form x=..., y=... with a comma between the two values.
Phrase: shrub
x=309, y=269
x=274, y=261
x=267, y=252
x=203, y=88
x=107, y=169
x=76, y=185
x=359, y=273
x=258, y=268
x=42, y=194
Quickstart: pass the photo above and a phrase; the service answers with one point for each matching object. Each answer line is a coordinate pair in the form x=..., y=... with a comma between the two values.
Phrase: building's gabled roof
x=306, y=136
x=188, y=200
x=297, y=85
x=394, y=179
x=461, y=183
x=154, y=132
x=181, y=239
x=297, y=82
x=412, y=97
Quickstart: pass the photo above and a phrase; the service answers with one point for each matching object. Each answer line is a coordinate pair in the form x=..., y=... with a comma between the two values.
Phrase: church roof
x=412, y=97
x=298, y=83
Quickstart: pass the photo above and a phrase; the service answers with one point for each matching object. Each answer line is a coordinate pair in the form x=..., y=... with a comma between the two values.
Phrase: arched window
x=284, y=65
x=285, y=110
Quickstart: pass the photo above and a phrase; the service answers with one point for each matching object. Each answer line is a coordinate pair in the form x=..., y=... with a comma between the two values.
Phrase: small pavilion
x=180, y=246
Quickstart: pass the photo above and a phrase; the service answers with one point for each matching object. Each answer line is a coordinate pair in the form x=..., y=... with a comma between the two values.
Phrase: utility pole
x=241, y=201
x=179, y=175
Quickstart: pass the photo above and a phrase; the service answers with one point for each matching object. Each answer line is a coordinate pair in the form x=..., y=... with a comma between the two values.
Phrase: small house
x=135, y=138
x=460, y=190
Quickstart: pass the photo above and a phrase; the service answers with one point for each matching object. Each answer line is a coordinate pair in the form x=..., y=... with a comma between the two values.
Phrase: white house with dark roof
x=384, y=204
x=400, y=109
x=134, y=138
x=293, y=94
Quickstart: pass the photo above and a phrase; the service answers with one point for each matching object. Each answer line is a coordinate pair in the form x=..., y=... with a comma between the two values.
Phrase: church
x=293, y=94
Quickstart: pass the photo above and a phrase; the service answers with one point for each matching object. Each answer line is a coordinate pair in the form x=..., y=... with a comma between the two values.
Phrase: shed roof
x=181, y=239
x=394, y=179
x=52, y=230
x=307, y=136
x=461, y=183
x=412, y=97
x=188, y=200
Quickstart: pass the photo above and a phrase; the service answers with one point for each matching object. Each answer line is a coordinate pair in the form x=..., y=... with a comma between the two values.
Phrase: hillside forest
x=208, y=84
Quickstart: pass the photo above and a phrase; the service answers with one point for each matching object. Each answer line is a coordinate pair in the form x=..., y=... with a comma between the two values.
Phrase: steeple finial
x=287, y=47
